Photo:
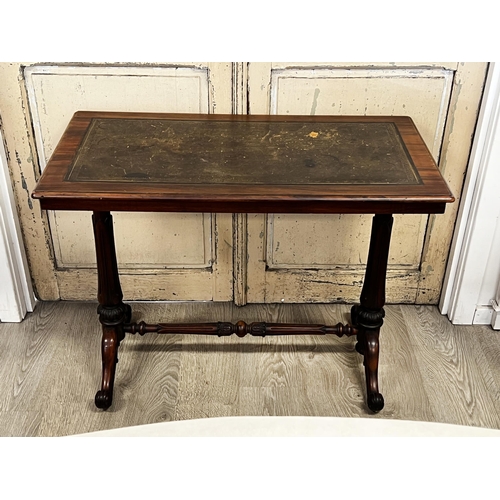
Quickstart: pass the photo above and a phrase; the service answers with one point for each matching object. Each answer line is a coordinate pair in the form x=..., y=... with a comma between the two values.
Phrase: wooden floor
x=430, y=370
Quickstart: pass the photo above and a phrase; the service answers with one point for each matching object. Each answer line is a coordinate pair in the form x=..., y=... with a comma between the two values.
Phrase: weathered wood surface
x=62, y=89
x=429, y=369
x=37, y=102
x=269, y=283
x=176, y=279
x=418, y=90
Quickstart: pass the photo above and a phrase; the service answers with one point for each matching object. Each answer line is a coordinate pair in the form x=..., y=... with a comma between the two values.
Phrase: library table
x=150, y=162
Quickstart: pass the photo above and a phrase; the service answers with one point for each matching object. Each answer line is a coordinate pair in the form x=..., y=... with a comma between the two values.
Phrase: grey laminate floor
x=430, y=370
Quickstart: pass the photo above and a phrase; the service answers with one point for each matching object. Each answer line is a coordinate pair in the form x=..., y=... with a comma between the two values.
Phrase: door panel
x=182, y=241
x=177, y=253
x=276, y=257
x=424, y=95
x=315, y=241
x=311, y=258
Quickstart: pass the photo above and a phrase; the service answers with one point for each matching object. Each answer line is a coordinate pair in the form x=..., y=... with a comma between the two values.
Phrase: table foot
x=375, y=402
x=111, y=337
x=368, y=323
x=103, y=399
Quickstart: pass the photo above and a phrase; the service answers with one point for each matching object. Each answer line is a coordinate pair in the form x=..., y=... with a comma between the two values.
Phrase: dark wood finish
x=368, y=316
x=234, y=163
x=429, y=195
x=258, y=329
x=113, y=313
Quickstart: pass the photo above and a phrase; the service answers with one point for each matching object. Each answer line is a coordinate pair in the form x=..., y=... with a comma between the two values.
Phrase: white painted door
x=276, y=257
x=160, y=256
x=321, y=258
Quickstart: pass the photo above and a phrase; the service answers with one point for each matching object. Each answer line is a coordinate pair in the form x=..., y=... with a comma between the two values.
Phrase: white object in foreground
x=296, y=427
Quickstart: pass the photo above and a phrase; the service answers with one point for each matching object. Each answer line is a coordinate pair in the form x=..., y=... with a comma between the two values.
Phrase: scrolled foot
x=375, y=402
x=103, y=399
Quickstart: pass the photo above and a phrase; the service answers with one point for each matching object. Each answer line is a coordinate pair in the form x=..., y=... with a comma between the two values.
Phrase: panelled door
x=321, y=258
x=160, y=256
x=259, y=258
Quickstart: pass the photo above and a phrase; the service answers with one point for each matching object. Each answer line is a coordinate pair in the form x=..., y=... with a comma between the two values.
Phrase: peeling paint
x=452, y=112
x=25, y=187
x=211, y=88
x=19, y=180
x=18, y=159
x=315, y=101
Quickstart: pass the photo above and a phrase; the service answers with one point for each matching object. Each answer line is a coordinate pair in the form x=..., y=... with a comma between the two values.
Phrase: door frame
x=472, y=258
x=16, y=292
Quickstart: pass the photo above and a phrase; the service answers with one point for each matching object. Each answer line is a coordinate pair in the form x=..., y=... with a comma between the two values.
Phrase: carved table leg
x=113, y=313
x=368, y=316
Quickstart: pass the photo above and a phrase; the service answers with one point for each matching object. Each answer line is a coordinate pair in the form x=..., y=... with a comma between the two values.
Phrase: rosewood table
x=144, y=162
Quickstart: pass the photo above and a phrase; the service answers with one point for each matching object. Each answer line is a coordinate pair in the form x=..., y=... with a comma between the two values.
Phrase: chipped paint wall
x=36, y=103
x=24, y=170
x=321, y=258
x=268, y=264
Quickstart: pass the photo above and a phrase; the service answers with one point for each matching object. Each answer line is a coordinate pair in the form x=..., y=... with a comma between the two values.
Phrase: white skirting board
x=488, y=315
x=495, y=316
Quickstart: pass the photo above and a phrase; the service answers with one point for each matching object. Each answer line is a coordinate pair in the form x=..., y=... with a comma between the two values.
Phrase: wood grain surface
x=430, y=370
x=459, y=384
